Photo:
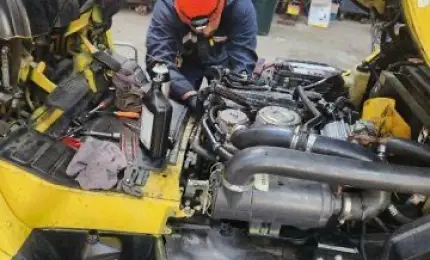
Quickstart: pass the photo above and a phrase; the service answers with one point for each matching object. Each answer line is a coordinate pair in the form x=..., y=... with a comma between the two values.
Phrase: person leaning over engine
x=193, y=35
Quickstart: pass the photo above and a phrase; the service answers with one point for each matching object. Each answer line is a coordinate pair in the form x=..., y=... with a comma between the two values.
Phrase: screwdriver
x=122, y=114
x=102, y=105
x=132, y=127
x=114, y=136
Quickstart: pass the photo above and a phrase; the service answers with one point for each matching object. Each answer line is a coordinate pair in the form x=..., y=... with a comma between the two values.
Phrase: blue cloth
x=165, y=42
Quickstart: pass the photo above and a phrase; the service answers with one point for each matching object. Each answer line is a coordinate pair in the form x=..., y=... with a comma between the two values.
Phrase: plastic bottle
x=356, y=92
x=156, y=117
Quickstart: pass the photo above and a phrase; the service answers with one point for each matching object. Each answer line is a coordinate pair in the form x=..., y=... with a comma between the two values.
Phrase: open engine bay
x=300, y=160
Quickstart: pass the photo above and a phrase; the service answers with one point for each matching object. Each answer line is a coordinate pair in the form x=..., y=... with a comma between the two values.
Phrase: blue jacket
x=165, y=42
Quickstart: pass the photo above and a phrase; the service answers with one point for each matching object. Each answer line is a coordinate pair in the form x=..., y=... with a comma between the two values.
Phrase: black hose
x=231, y=95
x=319, y=82
x=240, y=86
x=262, y=135
x=397, y=215
x=408, y=148
x=310, y=106
x=216, y=146
x=287, y=138
x=223, y=153
x=197, y=148
x=331, y=146
x=231, y=148
x=294, y=164
x=308, y=103
x=225, y=93
x=212, y=114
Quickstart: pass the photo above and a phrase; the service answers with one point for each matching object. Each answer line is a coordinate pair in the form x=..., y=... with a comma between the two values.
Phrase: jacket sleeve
x=243, y=37
x=162, y=45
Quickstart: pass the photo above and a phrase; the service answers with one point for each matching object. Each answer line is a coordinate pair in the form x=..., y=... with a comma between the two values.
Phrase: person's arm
x=162, y=45
x=243, y=37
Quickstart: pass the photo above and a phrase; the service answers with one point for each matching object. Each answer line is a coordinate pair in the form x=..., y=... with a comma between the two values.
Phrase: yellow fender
x=13, y=232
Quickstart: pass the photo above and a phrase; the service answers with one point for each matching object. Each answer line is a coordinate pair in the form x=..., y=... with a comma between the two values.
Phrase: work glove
x=128, y=82
x=194, y=104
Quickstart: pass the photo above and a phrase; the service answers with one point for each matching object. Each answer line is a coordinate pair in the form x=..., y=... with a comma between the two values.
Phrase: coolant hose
x=289, y=138
x=397, y=215
x=263, y=135
x=310, y=106
x=408, y=148
x=212, y=114
x=197, y=148
x=230, y=95
x=217, y=147
x=323, y=168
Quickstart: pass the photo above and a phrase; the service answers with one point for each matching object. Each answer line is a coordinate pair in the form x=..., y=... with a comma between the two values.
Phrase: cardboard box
x=319, y=13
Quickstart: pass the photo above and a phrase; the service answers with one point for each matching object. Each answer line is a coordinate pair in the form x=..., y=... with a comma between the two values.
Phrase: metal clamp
x=236, y=188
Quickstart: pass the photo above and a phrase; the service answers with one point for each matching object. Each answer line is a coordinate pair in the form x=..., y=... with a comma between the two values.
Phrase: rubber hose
x=231, y=148
x=221, y=151
x=230, y=95
x=331, y=146
x=294, y=164
x=310, y=106
x=397, y=215
x=408, y=148
x=308, y=103
x=252, y=87
x=197, y=148
x=287, y=138
x=212, y=119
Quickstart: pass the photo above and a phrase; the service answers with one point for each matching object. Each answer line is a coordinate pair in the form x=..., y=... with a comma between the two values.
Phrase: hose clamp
x=295, y=138
x=311, y=140
x=235, y=188
x=347, y=208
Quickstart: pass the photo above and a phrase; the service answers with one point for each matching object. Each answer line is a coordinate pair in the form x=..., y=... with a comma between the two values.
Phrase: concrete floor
x=343, y=44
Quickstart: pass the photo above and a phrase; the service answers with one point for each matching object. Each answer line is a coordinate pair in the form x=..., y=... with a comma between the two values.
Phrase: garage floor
x=343, y=44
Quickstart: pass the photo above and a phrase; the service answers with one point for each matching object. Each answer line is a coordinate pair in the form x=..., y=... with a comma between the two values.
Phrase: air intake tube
x=329, y=169
x=294, y=139
x=376, y=178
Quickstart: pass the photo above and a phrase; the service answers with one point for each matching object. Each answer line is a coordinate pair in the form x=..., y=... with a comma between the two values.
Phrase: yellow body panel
x=47, y=119
x=417, y=15
x=40, y=79
x=109, y=39
x=13, y=232
x=40, y=204
x=4, y=256
x=382, y=112
x=97, y=14
x=32, y=202
x=79, y=24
